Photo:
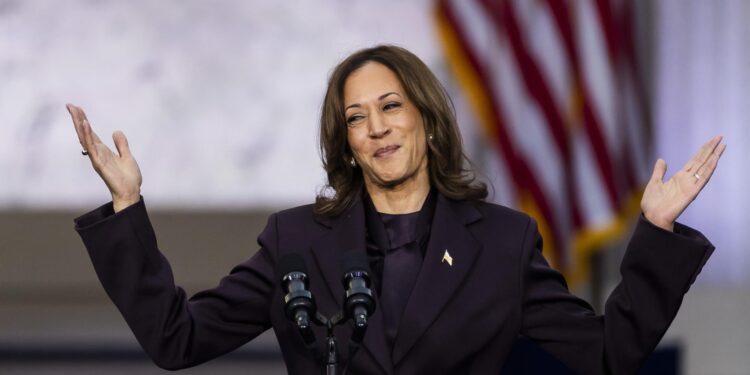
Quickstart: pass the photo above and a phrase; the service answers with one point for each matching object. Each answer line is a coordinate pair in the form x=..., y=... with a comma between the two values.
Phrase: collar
x=376, y=231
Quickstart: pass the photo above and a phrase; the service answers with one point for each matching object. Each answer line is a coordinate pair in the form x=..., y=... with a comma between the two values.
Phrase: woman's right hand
x=119, y=172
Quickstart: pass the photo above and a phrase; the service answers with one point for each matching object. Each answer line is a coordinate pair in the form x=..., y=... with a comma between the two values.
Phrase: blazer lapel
x=348, y=234
x=438, y=280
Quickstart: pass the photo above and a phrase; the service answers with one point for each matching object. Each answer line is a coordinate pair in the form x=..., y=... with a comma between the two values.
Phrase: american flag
x=556, y=88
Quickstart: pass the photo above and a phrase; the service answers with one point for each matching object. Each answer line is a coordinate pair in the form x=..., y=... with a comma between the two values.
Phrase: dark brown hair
x=446, y=160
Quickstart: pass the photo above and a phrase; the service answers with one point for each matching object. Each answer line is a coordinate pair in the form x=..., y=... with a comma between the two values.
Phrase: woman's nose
x=378, y=126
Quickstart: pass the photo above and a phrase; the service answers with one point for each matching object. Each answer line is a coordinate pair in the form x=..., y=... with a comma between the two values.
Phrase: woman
x=457, y=279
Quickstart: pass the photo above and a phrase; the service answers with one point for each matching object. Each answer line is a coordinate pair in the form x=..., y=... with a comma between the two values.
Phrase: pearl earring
x=430, y=137
x=353, y=162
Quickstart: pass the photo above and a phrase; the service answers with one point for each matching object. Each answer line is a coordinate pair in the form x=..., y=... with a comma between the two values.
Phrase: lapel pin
x=447, y=258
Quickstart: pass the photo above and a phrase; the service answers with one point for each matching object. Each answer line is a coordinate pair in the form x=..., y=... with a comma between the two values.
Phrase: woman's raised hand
x=119, y=172
x=663, y=202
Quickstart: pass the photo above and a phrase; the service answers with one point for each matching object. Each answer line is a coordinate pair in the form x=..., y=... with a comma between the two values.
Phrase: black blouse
x=384, y=230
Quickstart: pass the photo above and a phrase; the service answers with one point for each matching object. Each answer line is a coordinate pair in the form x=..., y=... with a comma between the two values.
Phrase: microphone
x=359, y=304
x=298, y=301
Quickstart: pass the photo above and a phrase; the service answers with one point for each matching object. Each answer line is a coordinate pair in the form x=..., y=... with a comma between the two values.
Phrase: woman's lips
x=387, y=150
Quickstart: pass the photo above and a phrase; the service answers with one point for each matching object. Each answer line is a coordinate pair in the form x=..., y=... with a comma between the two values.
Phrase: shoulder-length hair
x=447, y=165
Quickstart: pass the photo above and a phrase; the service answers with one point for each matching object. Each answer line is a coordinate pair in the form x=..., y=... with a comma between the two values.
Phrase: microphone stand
x=332, y=361
x=331, y=349
x=358, y=304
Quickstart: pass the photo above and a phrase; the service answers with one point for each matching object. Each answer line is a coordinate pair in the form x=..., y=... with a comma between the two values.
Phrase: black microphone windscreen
x=354, y=261
x=290, y=263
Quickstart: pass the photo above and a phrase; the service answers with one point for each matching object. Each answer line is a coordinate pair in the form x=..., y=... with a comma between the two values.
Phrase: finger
x=121, y=142
x=660, y=168
x=708, y=168
x=708, y=157
x=82, y=114
x=93, y=133
x=76, y=123
x=91, y=140
x=85, y=129
x=73, y=113
x=85, y=120
x=702, y=155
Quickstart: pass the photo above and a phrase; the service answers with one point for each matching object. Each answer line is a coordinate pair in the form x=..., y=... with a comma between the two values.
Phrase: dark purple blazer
x=460, y=319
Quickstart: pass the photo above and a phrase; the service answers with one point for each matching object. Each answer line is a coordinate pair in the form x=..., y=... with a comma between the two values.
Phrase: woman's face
x=384, y=129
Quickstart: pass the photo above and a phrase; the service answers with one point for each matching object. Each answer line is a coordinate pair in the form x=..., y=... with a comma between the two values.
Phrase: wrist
x=119, y=203
x=667, y=225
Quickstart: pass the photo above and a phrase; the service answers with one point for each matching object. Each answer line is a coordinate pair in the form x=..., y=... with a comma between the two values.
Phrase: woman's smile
x=386, y=151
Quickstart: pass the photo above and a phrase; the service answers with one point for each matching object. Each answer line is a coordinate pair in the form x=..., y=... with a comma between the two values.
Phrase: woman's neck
x=405, y=198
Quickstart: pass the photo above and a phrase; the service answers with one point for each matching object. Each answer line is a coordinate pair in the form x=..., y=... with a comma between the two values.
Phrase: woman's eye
x=352, y=119
x=390, y=106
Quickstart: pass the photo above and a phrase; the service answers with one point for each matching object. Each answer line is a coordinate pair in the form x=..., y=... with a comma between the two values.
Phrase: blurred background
x=564, y=107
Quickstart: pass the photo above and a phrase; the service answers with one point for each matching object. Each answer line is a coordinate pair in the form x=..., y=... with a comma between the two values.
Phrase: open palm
x=663, y=202
x=120, y=171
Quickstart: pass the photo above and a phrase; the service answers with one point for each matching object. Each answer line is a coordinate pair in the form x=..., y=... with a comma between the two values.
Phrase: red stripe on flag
x=518, y=167
x=592, y=126
x=539, y=90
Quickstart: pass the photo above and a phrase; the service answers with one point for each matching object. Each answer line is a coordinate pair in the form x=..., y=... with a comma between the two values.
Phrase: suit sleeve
x=658, y=268
x=176, y=332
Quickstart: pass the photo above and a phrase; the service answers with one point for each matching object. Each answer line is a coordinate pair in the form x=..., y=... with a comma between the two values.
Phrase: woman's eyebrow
x=381, y=97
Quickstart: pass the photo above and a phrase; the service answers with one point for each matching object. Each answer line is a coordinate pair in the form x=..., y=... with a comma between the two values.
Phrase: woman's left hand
x=663, y=202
